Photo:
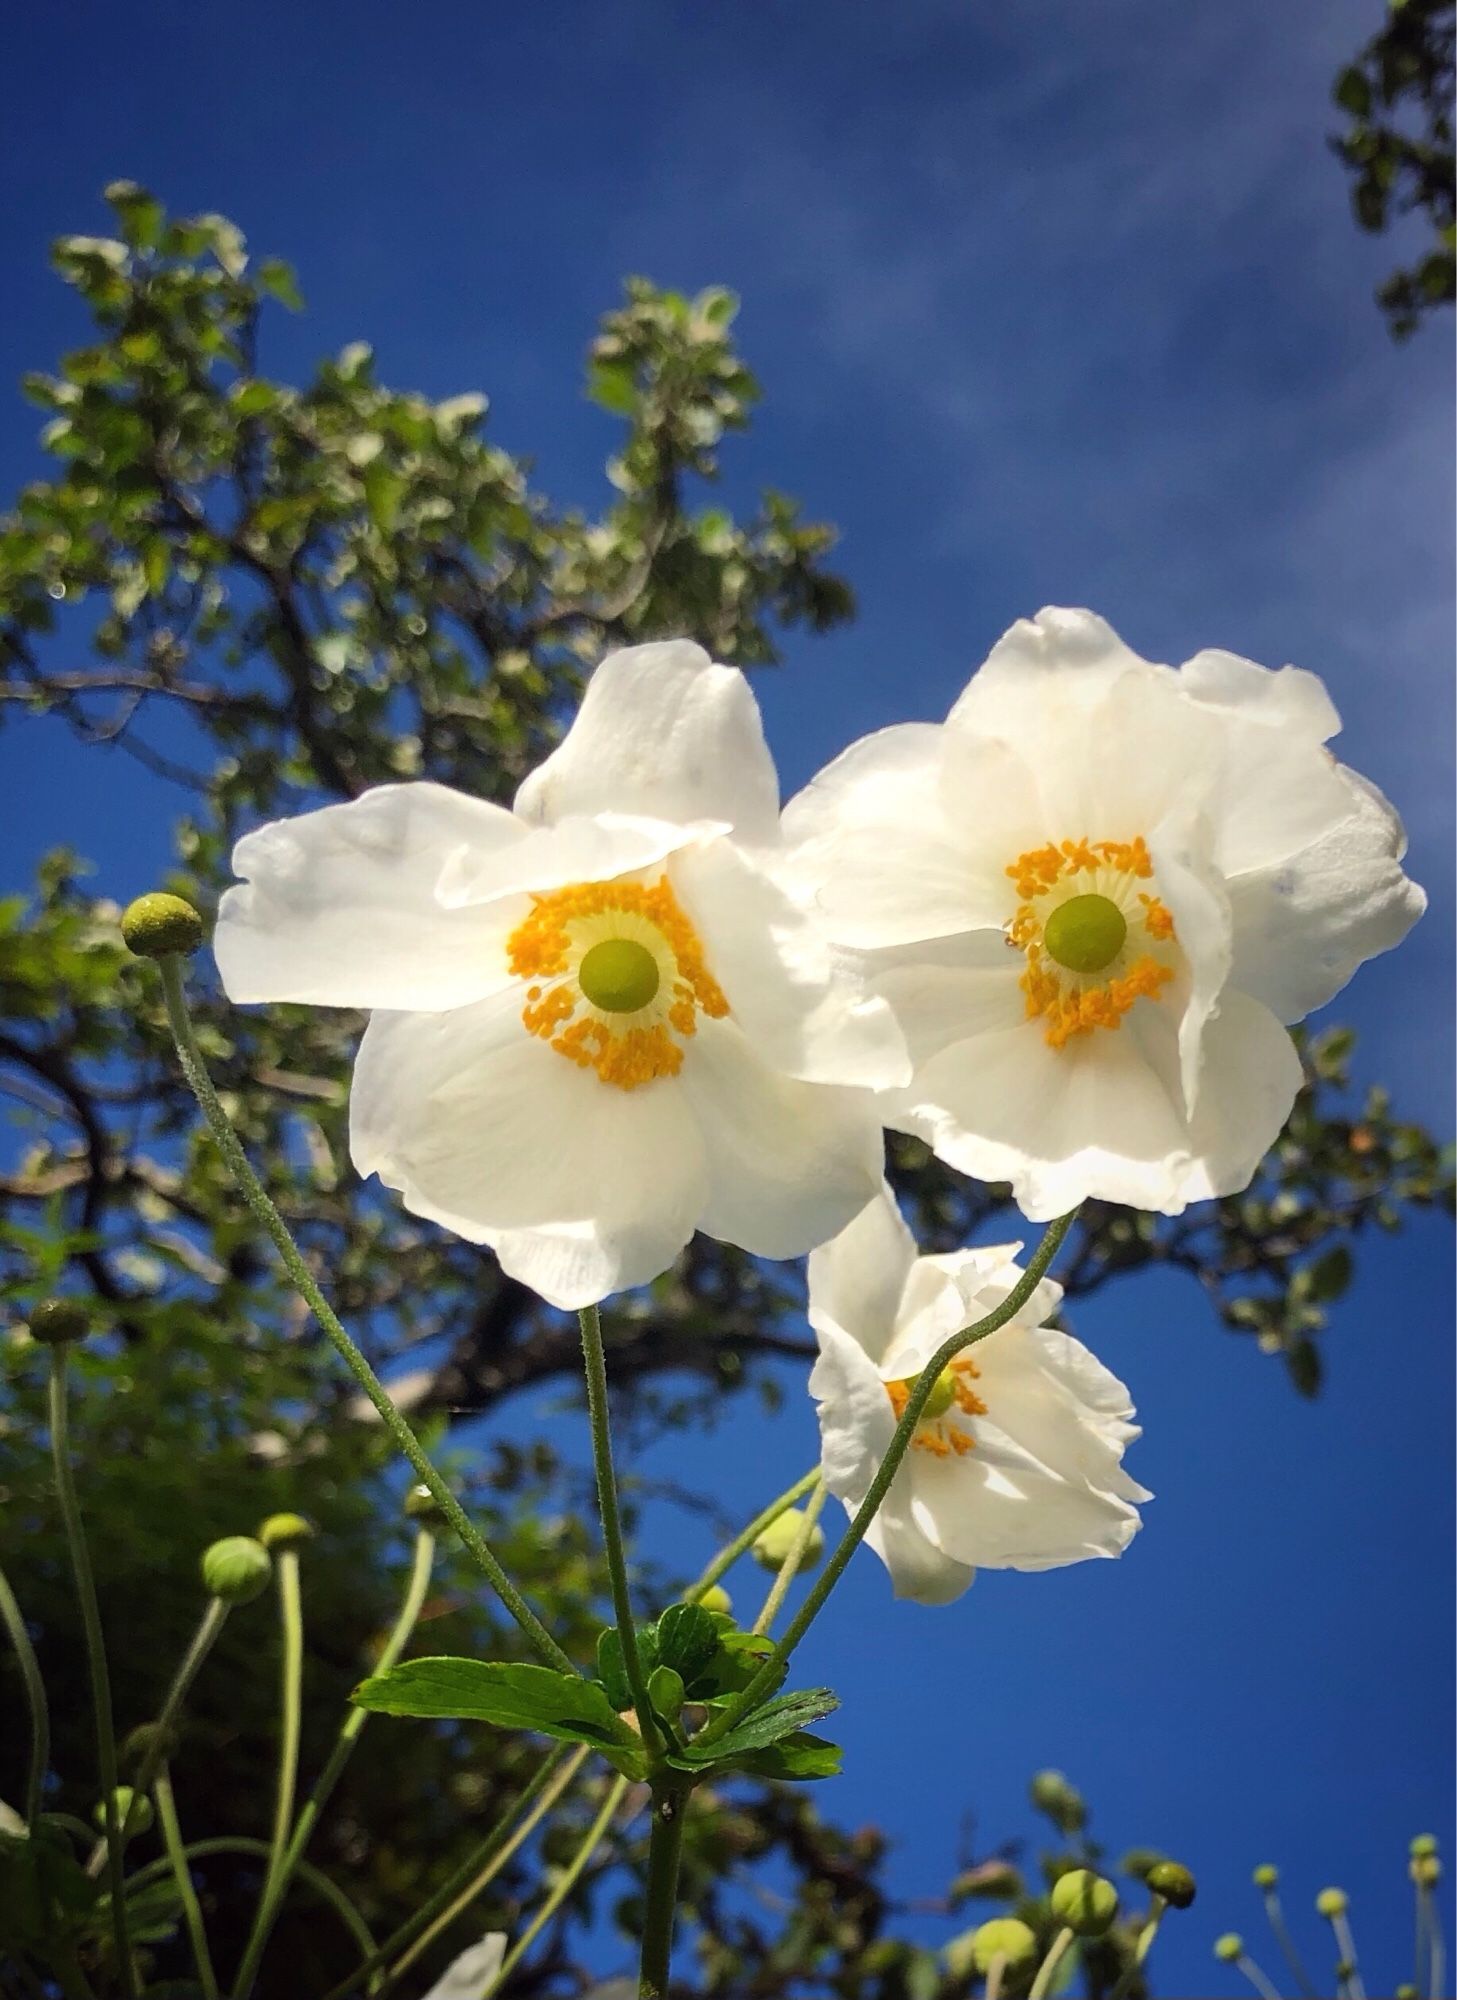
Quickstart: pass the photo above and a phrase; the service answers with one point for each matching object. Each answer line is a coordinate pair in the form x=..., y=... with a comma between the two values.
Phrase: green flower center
x=1085, y=934
x=619, y=975
x=942, y=1396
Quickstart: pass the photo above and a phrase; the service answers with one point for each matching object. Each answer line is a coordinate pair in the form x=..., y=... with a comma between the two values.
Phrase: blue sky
x=1050, y=304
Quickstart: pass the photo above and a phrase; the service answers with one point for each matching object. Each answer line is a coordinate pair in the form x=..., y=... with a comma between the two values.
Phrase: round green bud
x=161, y=926
x=1083, y=1902
x=1332, y=1902
x=134, y=1812
x=236, y=1569
x=1005, y=1938
x=285, y=1531
x=716, y=1598
x=1425, y=1870
x=1407, y=1992
x=1266, y=1875
x=1174, y=1882
x=54, y=1322
x=771, y=1548
x=619, y=975
x=1229, y=1947
x=1423, y=1843
x=942, y=1396
x=1063, y=1803
x=1085, y=934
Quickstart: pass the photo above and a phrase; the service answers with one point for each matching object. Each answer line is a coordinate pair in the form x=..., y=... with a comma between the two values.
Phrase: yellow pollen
x=593, y=1021
x=936, y=1432
x=1074, y=991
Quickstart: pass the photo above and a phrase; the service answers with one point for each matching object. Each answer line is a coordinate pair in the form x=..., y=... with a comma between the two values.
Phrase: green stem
x=1346, y=1946
x=996, y=1971
x=274, y=1226
x=291, y=1615
x=182, y=1874
x=772, y=1670
x=1141, y=1950
x=1281, y=1933
x=353, y=1723
x=607, y=1505
x=1042, y=1984
x=157, y=1749
x=311, y=1877
x=789, y=1568
x=665, y=1854
x=96, y=1663
x=35, y=1699
x=743, y=1542
x=567, y=1881
x=484, y=1875
x=1256, y=1978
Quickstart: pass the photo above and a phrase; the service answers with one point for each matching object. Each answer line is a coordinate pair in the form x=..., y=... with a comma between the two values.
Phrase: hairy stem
x=665, y=1854
x=275, y=1880
x=612, y=1540
x=789, y=1568
x=274, y=1226
x=100, y=1678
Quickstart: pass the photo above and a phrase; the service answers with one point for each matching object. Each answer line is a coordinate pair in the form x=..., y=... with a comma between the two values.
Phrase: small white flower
x=473, y=1975
x=598, y=1023
x=1092, y=897
x=1017, y=1463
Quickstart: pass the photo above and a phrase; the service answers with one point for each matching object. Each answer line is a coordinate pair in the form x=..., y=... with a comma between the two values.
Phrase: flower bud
x=1332, y=1902
x=1423, y=1843
x=1266, y=1876
x=1004, y=1938
x=1083, y=1902
x=236, y=1569
x=1063, y=1803
x=772, y=1547
x=1174, y=1882
x=1407, y=1992
x=161, y=926
x=1229, y=1947
x=285, y=1531
x=134, y=1812
x=1425, y=1870
x=54, y=1322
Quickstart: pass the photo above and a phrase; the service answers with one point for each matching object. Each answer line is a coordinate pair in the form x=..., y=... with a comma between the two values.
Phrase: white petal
x=919, y=1571
x=789, y=1163
x=885, y=778
x=856, y=1280
x=473, y=1975
x=1248, y=1085
x=1056, y=1401
x=339, y=907
x=665, y=733
x=948, y=990
x=856, y=1419
x=1289, y=700
x=1093, y=1118
x=1068, y=656
x=571, y=850
x=1302, y=927
x=997, y=1507
x=801, y=1002
x=582, y=1188
x=1198, y=902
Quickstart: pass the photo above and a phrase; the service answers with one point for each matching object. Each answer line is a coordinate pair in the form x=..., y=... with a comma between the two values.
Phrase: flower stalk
x=37, y=1708
x=665, y=1855
x=746, y=1538
x=182, y=1875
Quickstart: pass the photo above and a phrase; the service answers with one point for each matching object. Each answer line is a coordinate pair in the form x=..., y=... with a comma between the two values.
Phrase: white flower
x=597, y=1021
x=473, y=1975
x=1093, y=897
x=1017, y=1463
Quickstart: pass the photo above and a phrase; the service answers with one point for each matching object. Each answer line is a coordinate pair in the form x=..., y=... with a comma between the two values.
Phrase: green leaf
x=513, y=1697
x=1353, y=92
x=665, y=1691
x=277, y=278
x=612, y=1669
x=794, y=1759
x=783, y=1716
x=688, y=1639
x=1330, y=1274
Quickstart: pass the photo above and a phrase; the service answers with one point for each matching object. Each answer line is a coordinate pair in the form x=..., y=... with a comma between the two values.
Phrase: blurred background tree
x=280, y=595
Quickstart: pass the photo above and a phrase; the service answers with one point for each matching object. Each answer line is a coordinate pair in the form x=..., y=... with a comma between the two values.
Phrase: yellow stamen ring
x=617, y=978
x=937, y=1432
x=1069, y=940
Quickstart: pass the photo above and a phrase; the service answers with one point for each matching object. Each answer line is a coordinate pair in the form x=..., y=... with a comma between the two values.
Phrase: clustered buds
x=771, y=1548
x=161, y=926
x=236, y=1569
x=1083, y=1902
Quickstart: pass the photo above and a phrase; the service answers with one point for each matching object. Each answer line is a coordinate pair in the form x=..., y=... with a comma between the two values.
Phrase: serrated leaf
x=688, y=1639
x=512, y=1696
x=783, y=1716
x=794, y=1759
